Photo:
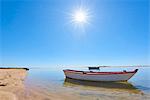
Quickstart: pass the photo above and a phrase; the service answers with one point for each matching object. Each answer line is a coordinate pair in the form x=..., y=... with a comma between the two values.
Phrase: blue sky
x=39, y=33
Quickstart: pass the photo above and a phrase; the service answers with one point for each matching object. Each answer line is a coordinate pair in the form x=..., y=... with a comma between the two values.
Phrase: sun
x=80, y=16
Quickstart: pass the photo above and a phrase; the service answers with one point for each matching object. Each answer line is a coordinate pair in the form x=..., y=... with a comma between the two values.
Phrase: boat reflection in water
x=98, y=85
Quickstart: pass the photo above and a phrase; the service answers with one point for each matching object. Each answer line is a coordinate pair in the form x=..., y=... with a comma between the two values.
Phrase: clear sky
x=41, y=33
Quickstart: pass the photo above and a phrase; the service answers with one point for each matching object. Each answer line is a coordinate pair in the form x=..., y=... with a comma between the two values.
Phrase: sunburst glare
x=80, y=18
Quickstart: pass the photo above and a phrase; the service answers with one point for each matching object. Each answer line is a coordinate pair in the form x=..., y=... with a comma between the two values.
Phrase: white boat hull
x=99, y=77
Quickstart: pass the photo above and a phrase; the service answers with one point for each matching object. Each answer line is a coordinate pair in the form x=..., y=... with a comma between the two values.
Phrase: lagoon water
x=53, y=81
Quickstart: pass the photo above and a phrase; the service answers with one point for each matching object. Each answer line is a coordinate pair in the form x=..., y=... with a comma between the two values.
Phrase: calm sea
x=53, y=80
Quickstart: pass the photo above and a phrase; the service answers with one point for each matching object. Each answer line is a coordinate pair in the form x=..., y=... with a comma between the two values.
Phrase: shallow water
x=53, y=80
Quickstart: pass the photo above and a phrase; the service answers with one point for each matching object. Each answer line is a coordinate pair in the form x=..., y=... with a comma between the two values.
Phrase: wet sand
x=13, y=87
x=19, y=93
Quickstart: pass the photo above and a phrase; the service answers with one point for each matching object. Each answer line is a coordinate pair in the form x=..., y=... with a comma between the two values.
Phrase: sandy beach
x=12, y=87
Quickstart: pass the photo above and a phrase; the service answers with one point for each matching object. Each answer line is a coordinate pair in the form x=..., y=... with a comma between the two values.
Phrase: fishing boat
x=99, y=76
